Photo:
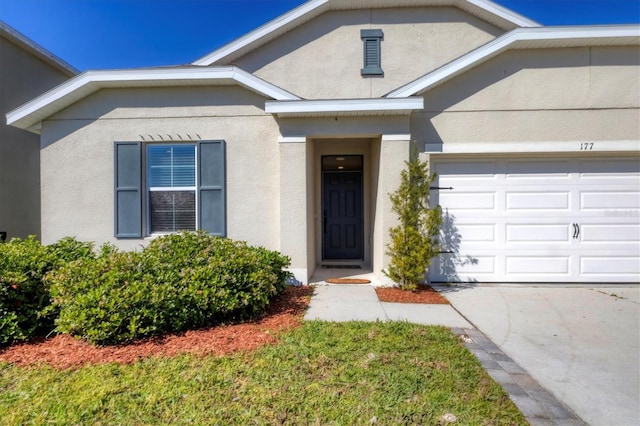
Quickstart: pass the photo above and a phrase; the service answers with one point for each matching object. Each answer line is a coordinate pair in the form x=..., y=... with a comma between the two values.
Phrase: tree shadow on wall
x=450, y=259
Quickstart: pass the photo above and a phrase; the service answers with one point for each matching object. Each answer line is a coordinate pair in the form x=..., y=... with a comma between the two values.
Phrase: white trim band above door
x=537, y=147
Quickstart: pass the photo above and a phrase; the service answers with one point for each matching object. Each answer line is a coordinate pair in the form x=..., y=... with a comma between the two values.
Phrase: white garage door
x=539, y=220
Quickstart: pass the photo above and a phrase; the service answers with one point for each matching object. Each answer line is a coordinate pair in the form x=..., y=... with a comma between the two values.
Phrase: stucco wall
x=322, y=59
x=77, y=157
x=538, y=95
x=22, y=77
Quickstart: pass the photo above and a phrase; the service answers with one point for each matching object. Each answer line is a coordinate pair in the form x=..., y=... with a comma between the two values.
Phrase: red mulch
x=63, y=351
x=423, y=294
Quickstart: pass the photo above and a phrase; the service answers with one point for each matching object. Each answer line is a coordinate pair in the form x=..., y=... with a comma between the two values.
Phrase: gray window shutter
x=128, y=190
x=211, y=188
x=372, y=52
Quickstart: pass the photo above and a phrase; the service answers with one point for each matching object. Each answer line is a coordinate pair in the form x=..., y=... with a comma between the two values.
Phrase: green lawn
x=321, y=373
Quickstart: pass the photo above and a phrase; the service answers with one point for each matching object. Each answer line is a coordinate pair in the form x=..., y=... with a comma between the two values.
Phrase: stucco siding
x=77, y=159
x=538, y=95
x=527, y=126
x=22, y=76
x=323, y=58
x=615, y=77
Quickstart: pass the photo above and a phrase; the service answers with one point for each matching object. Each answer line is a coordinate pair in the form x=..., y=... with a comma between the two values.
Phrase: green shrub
x=23, y=294
x=179, y=282
x=414, y=242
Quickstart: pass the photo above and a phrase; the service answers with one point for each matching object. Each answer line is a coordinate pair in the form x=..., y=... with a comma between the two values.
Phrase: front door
x=342, y=208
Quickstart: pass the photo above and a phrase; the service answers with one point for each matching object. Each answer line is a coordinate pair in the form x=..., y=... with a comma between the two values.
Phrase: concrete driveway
x=582, y=344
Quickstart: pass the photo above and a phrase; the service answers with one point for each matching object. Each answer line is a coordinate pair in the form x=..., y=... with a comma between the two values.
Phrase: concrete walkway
x=360, y=303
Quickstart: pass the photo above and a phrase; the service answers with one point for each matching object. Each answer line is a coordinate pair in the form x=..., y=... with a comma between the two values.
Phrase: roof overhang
x=35, y=49
x=483, y=9
x=524, y=38
x=345, y=107
x=31, y=114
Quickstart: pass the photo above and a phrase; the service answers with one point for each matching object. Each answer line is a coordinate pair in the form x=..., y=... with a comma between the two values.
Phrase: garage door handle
x=576, y=231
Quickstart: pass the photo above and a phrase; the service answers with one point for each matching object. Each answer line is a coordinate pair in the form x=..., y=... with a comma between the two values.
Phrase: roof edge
x=23, y=41
x=312, y=8
x=260, y=32
x=33, y=112
x=512, y=40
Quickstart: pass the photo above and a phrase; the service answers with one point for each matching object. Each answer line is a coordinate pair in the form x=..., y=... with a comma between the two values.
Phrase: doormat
x=347, y=281
x=341, y=266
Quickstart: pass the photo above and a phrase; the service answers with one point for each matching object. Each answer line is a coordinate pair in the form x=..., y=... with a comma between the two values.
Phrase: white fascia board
x=508, y=41
x=260, y=32
x=89, y=82
x=345, y=106
x=261, y=86
x=504, y=13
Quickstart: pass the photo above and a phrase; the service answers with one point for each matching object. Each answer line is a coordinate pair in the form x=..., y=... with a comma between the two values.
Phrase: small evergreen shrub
x=179, y=282
x=23, y=294
x=414, y=242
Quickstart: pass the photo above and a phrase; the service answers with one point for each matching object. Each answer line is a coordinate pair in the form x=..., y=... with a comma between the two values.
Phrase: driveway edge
x=538, y=405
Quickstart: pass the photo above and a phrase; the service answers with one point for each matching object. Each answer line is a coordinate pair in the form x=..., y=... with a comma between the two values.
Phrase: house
x=293, y=136
x=26, y=70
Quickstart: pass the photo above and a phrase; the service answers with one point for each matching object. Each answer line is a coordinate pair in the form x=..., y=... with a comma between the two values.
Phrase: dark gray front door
x=342, y=215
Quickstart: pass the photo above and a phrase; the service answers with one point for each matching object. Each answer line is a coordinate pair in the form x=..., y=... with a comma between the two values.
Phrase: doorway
x=342, y=208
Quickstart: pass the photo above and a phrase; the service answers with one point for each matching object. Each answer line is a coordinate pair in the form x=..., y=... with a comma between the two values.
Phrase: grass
x=321, y=373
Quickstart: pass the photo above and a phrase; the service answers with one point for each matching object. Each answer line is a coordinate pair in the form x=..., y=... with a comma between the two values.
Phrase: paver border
x=539, y=406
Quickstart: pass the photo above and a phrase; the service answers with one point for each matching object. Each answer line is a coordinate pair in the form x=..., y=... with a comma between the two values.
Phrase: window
x=171, y=181
x=183, y=189
x=372, y=52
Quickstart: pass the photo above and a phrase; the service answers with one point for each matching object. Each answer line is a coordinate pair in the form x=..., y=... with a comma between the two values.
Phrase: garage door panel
x=622, y=233
x=551, y=170
x=477, y=233
x=558, y=201
x=611, y=266
x=468, y=201
x=453, y=268
x=538, y=233
x=610, y=169
x=467, y=170
x=538, y=265
x=603, y=200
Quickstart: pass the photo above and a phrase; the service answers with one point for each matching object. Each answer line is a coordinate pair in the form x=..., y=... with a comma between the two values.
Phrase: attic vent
x=372, y=56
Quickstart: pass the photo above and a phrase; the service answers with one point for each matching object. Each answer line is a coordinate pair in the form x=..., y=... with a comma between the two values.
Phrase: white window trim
x=148, y=189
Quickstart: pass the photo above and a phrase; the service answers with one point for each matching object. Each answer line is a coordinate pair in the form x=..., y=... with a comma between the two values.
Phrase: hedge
x=179, y=282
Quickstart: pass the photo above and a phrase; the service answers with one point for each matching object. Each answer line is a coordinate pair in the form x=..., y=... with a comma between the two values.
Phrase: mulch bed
x=423, y=294
x=64, y=352
x=284, y=313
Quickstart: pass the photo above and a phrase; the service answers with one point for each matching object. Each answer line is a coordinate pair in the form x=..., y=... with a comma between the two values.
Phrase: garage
x=547, y=219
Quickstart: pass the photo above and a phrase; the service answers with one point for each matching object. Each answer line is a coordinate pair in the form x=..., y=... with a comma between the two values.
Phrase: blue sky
x=99, y=34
